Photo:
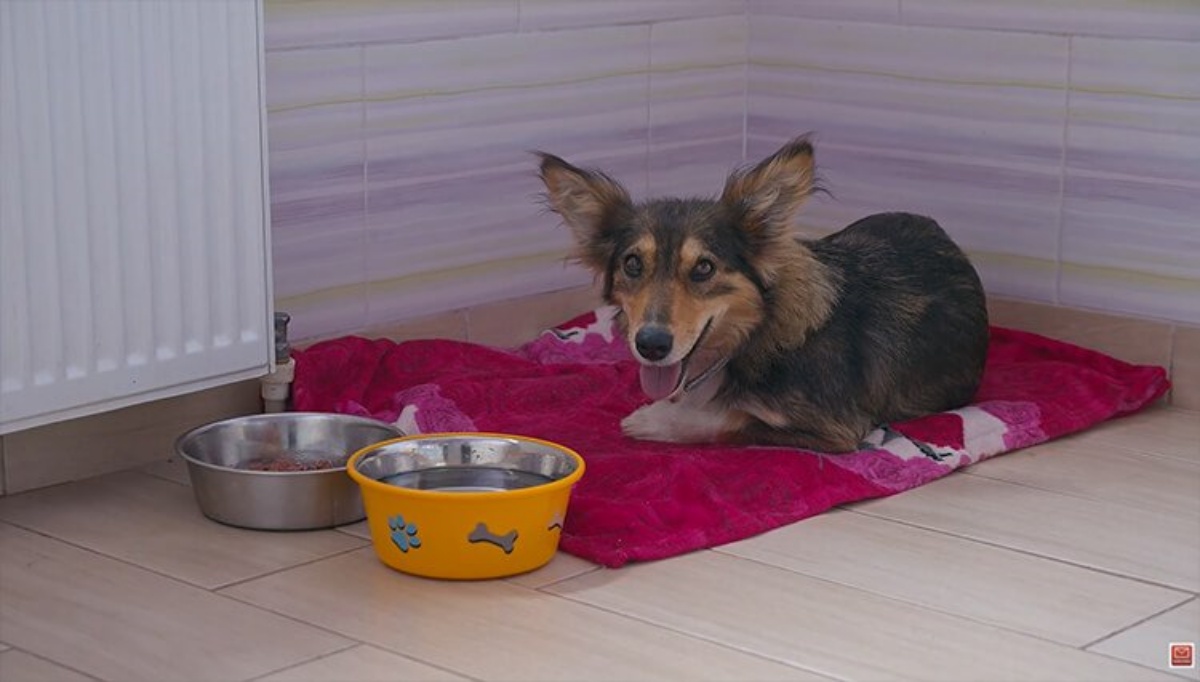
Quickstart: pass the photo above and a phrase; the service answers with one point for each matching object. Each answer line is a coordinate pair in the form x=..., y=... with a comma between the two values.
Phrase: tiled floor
x=1075, y=560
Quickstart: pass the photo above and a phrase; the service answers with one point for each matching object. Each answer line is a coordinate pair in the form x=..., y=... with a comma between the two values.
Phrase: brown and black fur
x=822, y=340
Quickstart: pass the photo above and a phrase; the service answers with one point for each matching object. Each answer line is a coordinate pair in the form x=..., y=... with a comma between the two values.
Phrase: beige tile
x=492, y=629
x=511, y=323
x=362, y=664
x=19, y=666
x=1129, y=339
x=358, y=530
x=1146, y=643
x=173, y=469
x=826, y=627
x=121, y=622
x=1161, y=548
x=116, y=440
x=1045, y=598
x=1103, y=472
x=156, y=524
x=561, y=567
x=451, y=325
x=1185, y=369
x=1159, y=430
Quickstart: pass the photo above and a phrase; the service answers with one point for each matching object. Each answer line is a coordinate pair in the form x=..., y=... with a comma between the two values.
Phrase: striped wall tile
x=693, y=169
x=452, y=242
x=555, y=14
x=963, y=126
x=479, y=103
x=324, y=261
x=453, y=196
x=1141, y=18
x=993, y=95
x=315, y=112
x=697, y=79
x=453, y=223
x=419, y=114
x=887, y=11
x=1006, y=218
x=406, y=298
x=325, y=313
x=1132, y=246
x=1135, y=108
x=1131, y=242
x=317, y=148
x=697, y=104
x=313, y=23
x=305, y=78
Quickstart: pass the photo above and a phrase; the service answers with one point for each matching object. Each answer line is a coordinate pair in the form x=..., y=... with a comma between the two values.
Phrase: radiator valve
x=277, y=386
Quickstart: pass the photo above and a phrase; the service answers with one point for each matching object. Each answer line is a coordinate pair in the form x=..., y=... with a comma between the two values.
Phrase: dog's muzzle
x=653, y=343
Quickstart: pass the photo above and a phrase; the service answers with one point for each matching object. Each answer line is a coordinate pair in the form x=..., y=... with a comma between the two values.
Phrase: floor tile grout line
x=925, y=607
x=1019, y=550
x=624, y=616
x=103, y=555
x=1135, y=624
x=1029, y=486
x=545, y=589
x=558, y=581
x=1067, y=493
x=284, y=569
x=1089, y=438
x=1186, y=459
x=355, y=643
x=58, y=663
x=158, y=572
x=1098, y=433
x=351, y=644
x=699, y=637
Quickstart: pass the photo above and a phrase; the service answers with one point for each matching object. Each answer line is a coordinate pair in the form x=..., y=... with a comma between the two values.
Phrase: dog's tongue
x=659, y=382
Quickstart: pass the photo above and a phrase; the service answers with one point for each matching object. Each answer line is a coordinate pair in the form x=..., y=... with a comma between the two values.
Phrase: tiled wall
x=402, y=183
x=1058, y=140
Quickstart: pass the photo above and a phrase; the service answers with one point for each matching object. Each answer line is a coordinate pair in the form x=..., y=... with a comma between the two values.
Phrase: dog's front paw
x=646, y=423
x=673, y=422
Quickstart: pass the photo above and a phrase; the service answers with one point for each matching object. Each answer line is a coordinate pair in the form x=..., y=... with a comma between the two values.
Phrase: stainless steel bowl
x=218, y=455
x=468, y=463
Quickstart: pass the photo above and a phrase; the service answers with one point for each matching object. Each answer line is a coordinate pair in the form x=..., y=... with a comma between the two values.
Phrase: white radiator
x=134, y=255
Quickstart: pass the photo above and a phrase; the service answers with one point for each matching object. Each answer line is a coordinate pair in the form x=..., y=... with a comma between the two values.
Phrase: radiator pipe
x=277, y=386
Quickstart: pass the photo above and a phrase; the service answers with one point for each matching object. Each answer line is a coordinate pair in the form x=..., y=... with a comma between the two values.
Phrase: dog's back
x=907, y=333
x=915, y=308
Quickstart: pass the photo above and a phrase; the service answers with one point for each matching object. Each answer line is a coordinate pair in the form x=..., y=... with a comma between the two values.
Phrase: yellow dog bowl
x=465, y=506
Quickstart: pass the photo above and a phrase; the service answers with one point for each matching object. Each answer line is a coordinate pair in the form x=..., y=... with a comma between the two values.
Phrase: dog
x=748, y=334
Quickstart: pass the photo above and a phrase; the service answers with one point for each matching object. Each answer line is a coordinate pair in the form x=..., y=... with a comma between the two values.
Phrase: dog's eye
x=632, y=265
x=703, y=270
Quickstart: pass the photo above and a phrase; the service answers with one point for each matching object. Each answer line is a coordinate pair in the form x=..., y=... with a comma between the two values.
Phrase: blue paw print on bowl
x=404, y=535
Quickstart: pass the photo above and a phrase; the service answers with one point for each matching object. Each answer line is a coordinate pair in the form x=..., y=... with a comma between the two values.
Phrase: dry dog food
x=290, y=463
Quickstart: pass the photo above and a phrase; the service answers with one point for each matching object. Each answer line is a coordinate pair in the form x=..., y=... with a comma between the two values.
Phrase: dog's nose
x=653, y=343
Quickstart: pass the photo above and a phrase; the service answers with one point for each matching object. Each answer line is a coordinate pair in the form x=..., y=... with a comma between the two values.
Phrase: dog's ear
x=768, y=196
x=590, y=203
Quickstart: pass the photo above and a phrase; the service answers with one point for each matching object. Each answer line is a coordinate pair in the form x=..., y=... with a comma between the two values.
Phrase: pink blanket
x=641, y=500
